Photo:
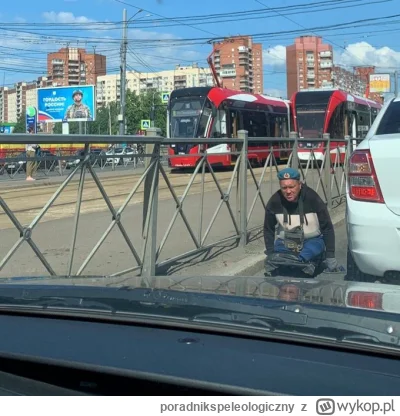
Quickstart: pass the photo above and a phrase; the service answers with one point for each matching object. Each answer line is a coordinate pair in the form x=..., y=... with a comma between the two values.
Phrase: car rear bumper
x=374, y=237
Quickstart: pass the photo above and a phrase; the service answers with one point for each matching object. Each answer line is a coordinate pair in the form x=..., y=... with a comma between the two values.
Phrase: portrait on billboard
x=78, y=109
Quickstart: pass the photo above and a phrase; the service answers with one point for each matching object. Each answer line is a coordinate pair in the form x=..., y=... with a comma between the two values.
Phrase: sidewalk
x=226, y=260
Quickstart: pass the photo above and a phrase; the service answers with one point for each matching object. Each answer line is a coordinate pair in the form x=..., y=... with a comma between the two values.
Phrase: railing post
x=243, y=135
x=327, y=168
x=295, y=158
x=150, y=206
x=349, y=151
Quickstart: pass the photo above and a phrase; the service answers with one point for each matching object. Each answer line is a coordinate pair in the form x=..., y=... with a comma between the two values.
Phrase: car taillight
x=362, y=179
x=367, y=300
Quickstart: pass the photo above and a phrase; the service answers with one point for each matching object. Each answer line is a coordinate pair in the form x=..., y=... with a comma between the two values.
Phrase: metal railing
x=326, y=174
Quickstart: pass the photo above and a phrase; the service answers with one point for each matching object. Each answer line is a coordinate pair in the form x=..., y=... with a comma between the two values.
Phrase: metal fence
x=250, y=184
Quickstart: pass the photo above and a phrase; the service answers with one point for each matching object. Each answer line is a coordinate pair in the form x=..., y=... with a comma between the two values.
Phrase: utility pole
x=124, y=44
x=396, y=83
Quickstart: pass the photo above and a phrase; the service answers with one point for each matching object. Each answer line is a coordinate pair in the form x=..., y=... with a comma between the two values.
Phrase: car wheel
x=354, y=274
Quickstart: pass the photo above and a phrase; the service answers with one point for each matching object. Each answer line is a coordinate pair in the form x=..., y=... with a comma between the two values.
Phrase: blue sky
x=35, y=28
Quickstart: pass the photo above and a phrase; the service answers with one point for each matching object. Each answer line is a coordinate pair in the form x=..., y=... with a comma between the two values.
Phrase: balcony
x=325, y=54
x=325, y=64
x=228, y=73
x=243, y=49
x=310, y=75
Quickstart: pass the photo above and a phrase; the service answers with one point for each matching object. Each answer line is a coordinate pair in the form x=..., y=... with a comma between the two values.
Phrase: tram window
x=219, y=125
x=336, y=125
x=255, y=123
x=278, y=126
x=363, y=124
x=204, y=119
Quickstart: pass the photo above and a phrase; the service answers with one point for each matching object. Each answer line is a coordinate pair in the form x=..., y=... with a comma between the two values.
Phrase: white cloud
x=275, y=56
x=362, y=53
x=157, y=57
x=65, y=17
x=275, y=92
x=20, y=19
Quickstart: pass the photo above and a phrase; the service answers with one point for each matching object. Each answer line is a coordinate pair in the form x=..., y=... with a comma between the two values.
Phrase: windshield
x=310, y=123
x=180, y=195
x=185, y=116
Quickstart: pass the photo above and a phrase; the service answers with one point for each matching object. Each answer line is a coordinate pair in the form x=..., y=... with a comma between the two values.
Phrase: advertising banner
x=6, y=129
x=62, y=104
x=379, y=83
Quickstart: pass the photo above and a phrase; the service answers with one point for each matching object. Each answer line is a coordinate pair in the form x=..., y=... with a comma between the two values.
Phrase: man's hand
x=332, y=265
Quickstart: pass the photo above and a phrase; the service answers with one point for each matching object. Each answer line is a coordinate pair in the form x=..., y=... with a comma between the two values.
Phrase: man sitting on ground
x=302, y=224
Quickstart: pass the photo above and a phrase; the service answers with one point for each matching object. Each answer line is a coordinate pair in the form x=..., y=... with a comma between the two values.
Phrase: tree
x=20, y=127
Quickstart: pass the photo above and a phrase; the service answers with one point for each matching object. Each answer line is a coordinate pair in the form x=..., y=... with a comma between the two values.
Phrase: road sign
x=145, y=124
x=165, y=97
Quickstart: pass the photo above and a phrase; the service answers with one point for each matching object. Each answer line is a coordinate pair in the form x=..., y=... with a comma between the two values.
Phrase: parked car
x=373, y=201
x=47, y=163
x=121, y=155
x=80, y=154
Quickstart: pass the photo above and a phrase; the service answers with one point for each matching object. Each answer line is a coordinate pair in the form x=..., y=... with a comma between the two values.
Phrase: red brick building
x=74, y=66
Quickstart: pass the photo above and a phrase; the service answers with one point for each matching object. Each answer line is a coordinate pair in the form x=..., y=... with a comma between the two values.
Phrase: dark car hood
x=328, y=292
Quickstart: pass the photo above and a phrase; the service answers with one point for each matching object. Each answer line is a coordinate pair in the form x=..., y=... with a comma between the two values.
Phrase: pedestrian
x=31, y=165
x=297, y=221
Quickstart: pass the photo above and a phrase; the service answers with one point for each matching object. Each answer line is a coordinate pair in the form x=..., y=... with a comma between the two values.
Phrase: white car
x=121, y=155
x=373, y=201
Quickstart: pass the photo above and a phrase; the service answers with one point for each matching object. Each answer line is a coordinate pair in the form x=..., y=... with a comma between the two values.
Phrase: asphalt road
x=341, y=254
x=54, y=232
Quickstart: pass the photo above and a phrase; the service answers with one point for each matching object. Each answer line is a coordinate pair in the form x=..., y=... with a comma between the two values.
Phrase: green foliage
x=20, y=127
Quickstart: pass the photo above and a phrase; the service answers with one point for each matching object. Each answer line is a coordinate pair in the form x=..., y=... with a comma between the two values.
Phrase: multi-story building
x=309, y=64
x=15, y=100
x=348, y=81
x=108, y=86
x=363, y=72
x=239, y=64
x=74, y=66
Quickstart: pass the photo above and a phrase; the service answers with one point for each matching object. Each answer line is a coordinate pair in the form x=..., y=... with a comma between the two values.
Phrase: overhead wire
x=156, y=14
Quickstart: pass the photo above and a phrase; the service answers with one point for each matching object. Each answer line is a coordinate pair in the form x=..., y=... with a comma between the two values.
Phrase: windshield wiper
x=56, y=302
x=318, y=321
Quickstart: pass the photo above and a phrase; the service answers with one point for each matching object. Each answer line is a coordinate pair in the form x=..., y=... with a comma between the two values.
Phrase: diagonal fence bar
x=331, y=176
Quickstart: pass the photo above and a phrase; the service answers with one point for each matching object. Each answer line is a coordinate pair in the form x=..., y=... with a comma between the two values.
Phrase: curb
x=250, y=266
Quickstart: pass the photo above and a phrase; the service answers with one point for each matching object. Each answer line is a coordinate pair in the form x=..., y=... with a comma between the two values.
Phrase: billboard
x=61, y=104
x=379, y=83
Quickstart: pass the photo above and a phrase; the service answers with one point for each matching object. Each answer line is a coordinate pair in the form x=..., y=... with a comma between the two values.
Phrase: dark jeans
x=312, y=248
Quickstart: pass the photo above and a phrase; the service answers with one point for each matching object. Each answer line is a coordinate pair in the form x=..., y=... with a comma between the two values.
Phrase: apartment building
x=15, y=100
x=108, y=86
x=75, y=66
x=363, y=73
x=309, y=64
x=239, y=64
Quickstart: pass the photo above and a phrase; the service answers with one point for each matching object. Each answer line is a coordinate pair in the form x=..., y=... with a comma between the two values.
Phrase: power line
x=159, y=15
